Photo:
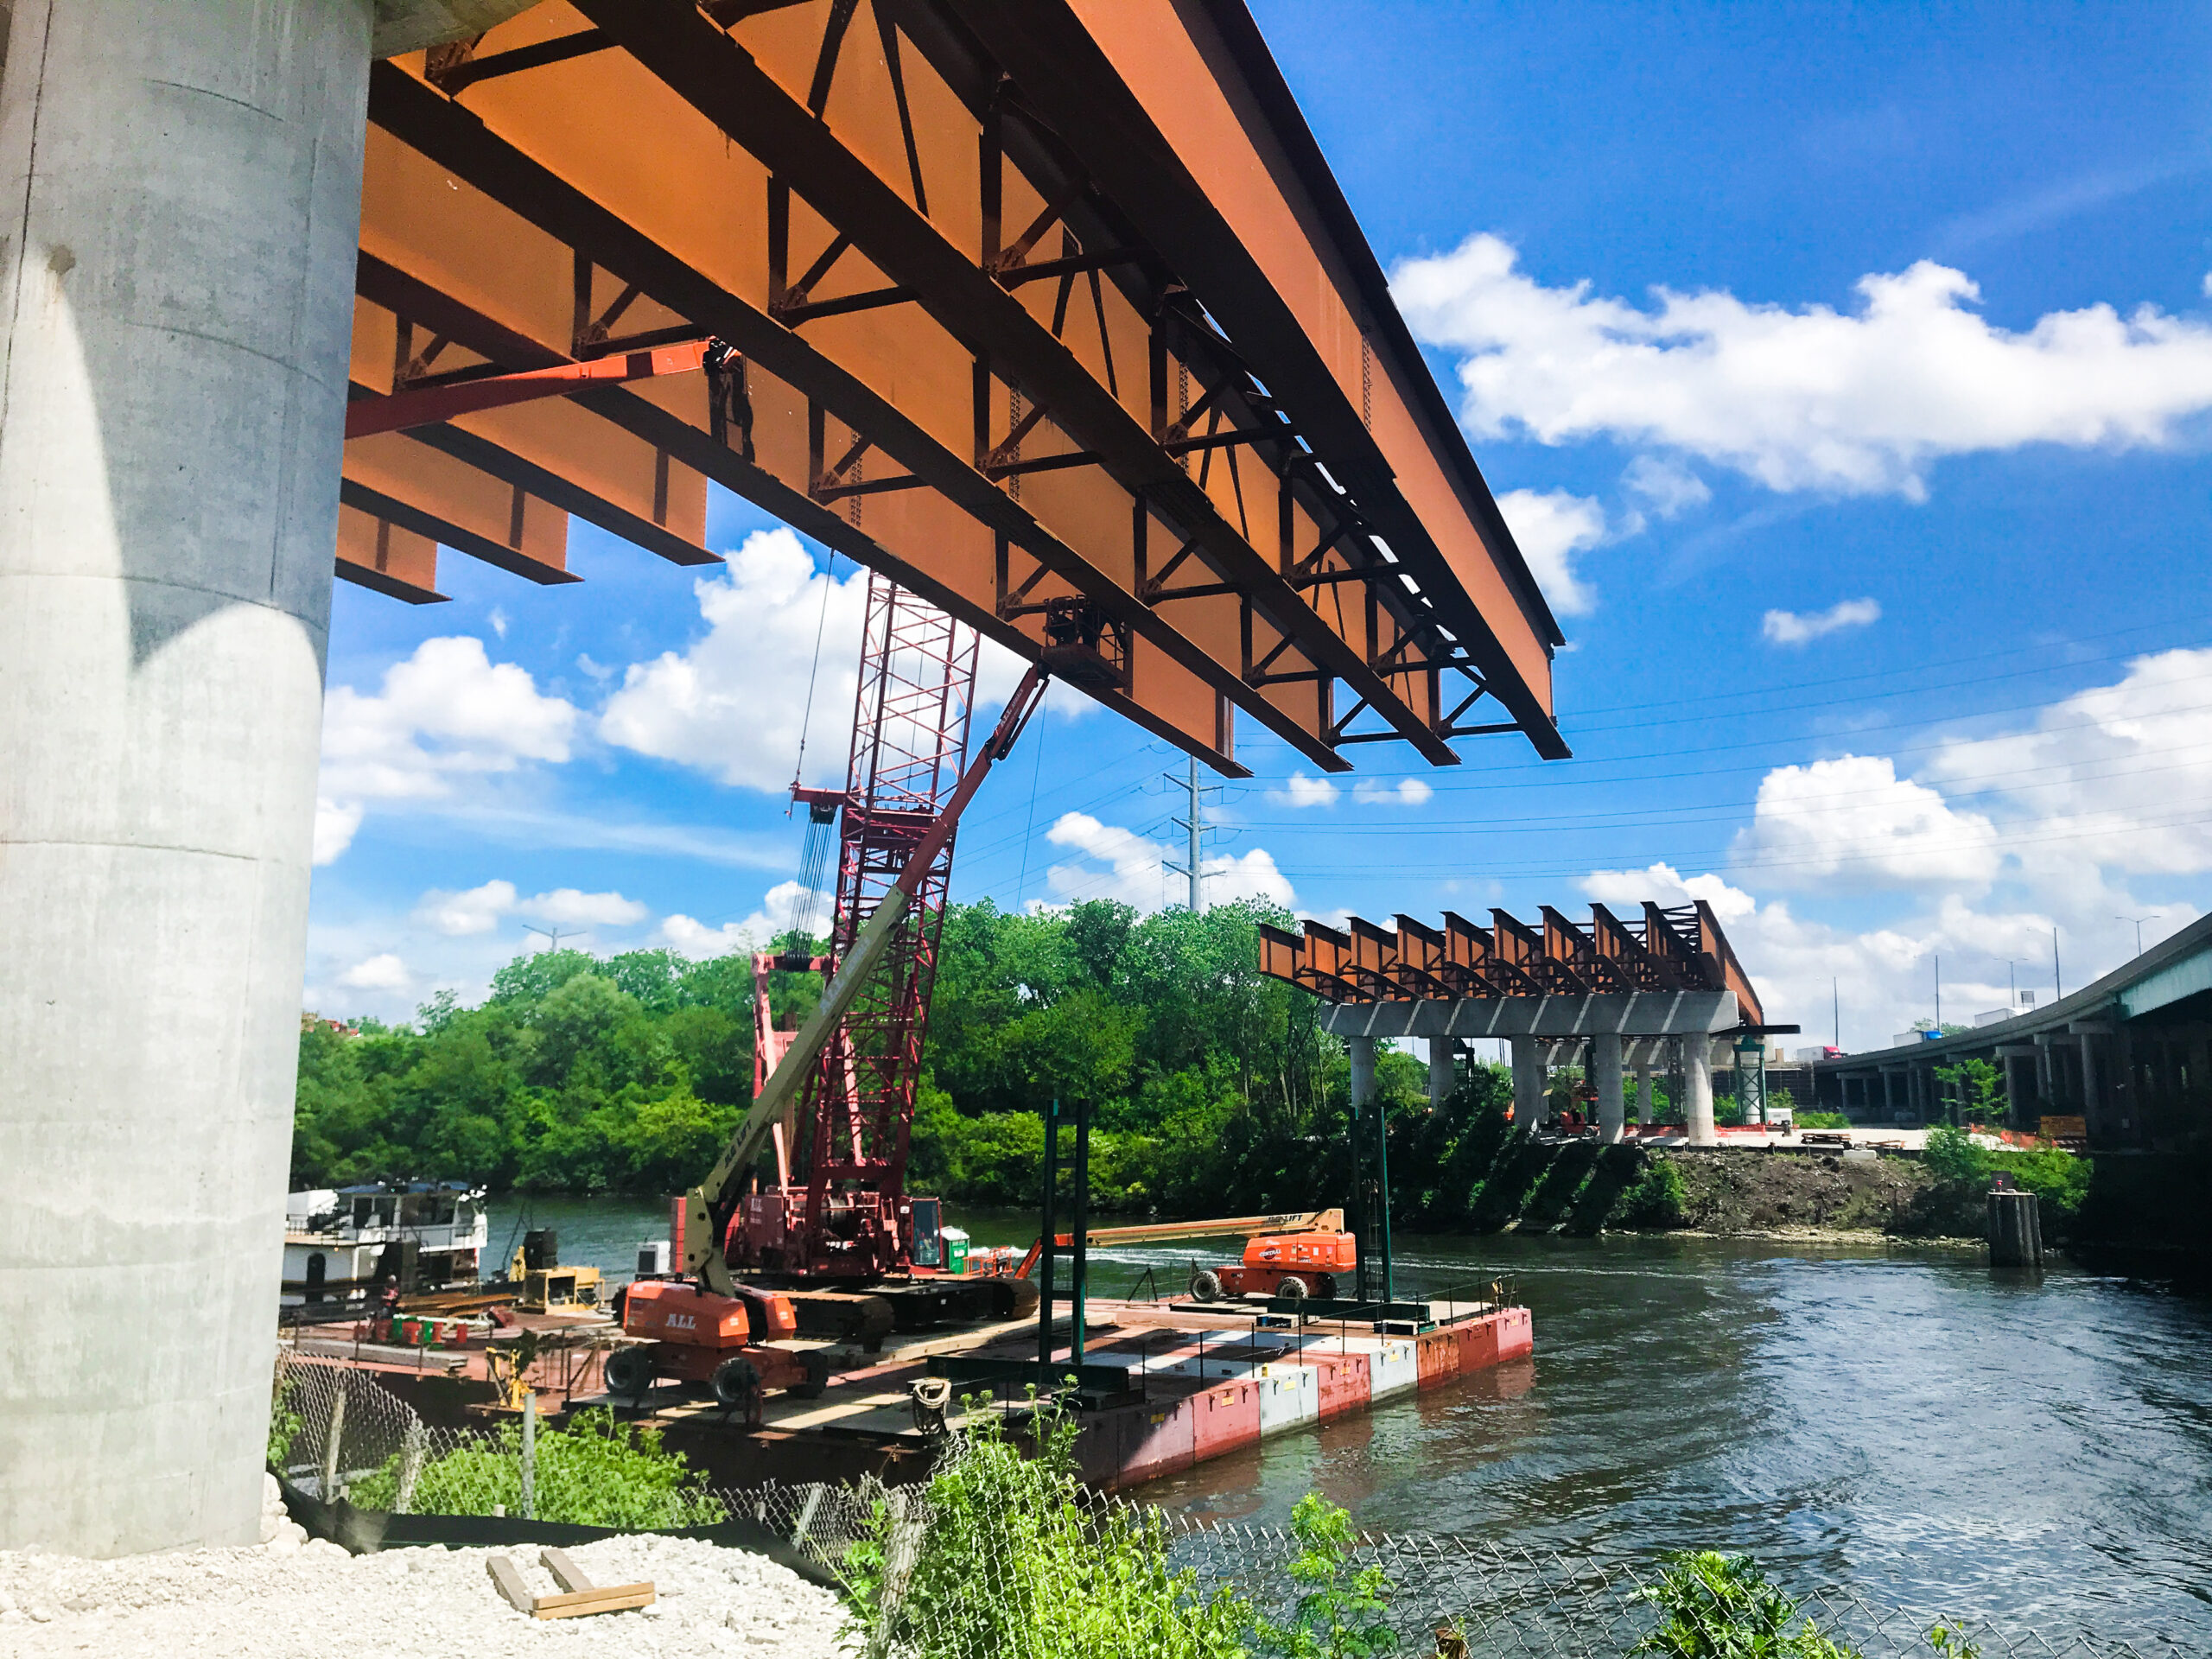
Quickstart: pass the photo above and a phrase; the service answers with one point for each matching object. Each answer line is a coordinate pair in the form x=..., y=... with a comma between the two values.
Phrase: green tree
x=1977, y=1091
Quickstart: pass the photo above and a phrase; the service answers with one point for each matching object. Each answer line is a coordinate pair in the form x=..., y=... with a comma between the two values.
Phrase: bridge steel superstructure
x=1643, y=990
x=1047, y=310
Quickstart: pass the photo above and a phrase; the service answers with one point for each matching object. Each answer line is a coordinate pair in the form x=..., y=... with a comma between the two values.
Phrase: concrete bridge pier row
x=176, y=272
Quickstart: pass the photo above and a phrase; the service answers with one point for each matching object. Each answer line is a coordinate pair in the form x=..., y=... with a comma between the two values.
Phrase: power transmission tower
x=1195, y=825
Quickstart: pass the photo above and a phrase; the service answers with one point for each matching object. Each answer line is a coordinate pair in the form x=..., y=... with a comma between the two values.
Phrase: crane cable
x=813, y=860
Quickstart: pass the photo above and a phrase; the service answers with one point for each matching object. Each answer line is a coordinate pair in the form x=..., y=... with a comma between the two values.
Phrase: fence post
x=530, y=1454
x=410, y=1468
x=899, y=1553
x=333, y=1432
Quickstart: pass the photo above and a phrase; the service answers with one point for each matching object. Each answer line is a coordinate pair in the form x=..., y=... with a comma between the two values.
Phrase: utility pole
x=1938, y=992
x=1835, y=999
x=2057, y=985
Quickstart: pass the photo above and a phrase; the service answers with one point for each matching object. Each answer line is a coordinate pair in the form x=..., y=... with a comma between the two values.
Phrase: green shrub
x=1822, y=1120
x=284, y=1421
x=1340, y=1609
x=2059, y=1179
x=1655, y=1199
x=1719, y=1606
x=594, y=1473
x=1014, y=1561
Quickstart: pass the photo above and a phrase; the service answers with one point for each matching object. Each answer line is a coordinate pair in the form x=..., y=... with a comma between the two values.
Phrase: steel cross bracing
x=910, y=744
x=965, y=313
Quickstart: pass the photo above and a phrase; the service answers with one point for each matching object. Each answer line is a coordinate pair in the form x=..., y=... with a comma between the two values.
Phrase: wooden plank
x=566, y=1573
x=511, y=1584
x=610, y=1598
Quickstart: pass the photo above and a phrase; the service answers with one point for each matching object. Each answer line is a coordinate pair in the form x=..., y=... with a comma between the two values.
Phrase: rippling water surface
x=2039, y=1451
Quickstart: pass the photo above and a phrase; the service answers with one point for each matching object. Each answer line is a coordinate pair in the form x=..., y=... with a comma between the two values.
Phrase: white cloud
x=334, y=824
x=498, y=618
x=756, y=933
x=1406, y=791
x=444, y=714
x=567, y=907
x=2117, y=773
x=733, y=703
x=1137, y=872
x=1854, y=821
x=385, y=972
x=458, y=915
x=1802, y=627
x=479, y=910
x=1551, y=528
x=1852, y=402
x=1298, y=790
x=1665, y=486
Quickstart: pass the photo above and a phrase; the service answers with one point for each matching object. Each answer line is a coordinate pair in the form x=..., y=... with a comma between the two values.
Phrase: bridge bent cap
x=1028, y=306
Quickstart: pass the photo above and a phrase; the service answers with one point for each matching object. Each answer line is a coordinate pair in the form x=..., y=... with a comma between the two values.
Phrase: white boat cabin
x=345, y=1242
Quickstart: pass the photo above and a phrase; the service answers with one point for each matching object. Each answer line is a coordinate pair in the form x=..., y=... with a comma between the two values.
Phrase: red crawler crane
x=847, y=1216
x=846, y=1076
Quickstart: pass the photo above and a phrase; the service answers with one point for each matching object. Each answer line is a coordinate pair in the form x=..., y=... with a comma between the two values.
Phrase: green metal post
x=1052, y=1115
x=1079, y=1270
x=1382, y=1195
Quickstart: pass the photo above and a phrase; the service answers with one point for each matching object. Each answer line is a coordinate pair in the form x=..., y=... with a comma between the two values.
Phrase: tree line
x=1208, y=1083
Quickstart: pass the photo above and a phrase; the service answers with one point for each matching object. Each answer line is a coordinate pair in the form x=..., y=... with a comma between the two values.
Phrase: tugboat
x=347, y=1242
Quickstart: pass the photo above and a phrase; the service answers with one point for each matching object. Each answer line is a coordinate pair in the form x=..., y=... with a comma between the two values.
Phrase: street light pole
x=2138, y=921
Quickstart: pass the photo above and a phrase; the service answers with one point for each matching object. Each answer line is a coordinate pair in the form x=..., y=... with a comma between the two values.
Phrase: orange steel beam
x=729, y=86
x=431, y=406
x=1010, y=338
x=452, y=136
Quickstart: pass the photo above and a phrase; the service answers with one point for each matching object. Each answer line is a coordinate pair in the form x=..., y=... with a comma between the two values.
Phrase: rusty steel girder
x=1032, y=307
x=1679, y=948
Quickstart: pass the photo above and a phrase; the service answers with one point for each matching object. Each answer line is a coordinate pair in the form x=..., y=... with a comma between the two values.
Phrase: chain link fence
x=998, y=1559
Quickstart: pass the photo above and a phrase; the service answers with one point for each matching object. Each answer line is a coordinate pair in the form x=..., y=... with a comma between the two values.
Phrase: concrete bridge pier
x=1527, y=1082
x=1612, y=1106
x=176, y=273
x=1697, y=1090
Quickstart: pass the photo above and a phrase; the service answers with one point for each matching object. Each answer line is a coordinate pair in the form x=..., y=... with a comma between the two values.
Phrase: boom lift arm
x=706, y=1206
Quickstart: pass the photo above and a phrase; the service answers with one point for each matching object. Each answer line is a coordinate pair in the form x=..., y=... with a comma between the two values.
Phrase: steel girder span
x=1037, y=307
x=1667, y=952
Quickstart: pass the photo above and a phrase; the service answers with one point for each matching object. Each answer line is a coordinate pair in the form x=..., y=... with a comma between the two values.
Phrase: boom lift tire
x=817, y=1375
x=737, y=1385
x=1324, y=1287
x=629, y=1374
x=1012, y=1297
x=1205, y=1285
x=1291, y=1289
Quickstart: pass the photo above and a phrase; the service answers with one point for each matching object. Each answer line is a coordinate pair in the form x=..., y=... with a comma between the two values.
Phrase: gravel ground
x=295, y=1599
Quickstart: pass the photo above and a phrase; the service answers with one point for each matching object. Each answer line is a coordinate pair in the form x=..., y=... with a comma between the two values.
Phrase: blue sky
x=1847, y=374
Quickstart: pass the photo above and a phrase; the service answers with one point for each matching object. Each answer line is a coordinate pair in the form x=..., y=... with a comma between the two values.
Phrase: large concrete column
x=1441, y=1052
x=2092, y=1104
x=1612, y=1107
x=1697, y=1090
x=1362, y=1052
x=176, y=274
x=1527, y=1082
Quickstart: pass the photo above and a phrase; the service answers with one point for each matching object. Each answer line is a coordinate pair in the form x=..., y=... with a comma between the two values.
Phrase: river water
x=2038, y=1452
